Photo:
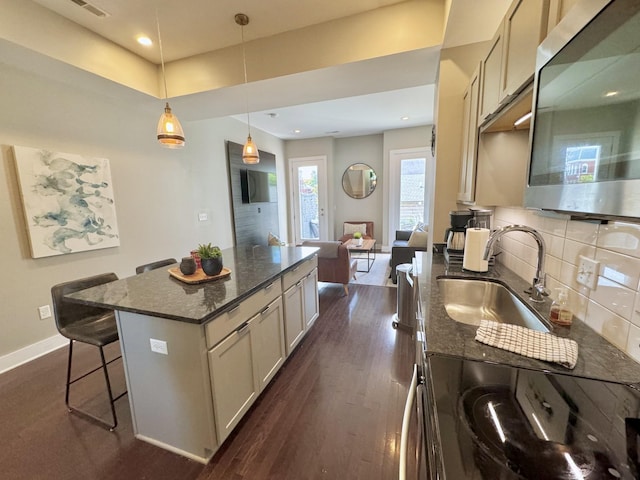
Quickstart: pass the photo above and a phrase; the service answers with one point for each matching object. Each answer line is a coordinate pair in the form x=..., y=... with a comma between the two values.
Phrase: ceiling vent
x=91, y=8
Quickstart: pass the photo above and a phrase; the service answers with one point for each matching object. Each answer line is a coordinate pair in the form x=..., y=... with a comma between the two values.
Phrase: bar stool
x=91, y=325
x=153, y=265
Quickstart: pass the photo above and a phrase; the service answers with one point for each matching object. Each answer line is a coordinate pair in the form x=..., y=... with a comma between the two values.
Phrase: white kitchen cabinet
x=557, y=10
x=466, y=187
x=300, y=299
x=310, y=289
x=243, y=364
x=524, y=28
x=248, y=349
x=490, y=77
x=234, y=383
x=267, y=330
x=294, y=322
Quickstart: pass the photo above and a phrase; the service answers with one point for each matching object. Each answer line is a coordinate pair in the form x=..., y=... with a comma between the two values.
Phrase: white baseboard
x=31, y=352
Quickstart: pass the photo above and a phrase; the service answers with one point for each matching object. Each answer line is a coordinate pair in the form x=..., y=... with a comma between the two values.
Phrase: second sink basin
x=471, y=300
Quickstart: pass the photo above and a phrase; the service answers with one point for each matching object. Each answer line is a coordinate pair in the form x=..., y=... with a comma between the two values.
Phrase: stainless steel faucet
x=538, y=289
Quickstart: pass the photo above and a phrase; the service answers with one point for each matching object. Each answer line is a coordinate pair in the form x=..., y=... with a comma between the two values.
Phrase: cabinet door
x=557, y=10
x=466, y=187
x=267, y=331
x=233, y=383
x=490, y=83
x=525, y=26
x=293, y=316
x=310, y=289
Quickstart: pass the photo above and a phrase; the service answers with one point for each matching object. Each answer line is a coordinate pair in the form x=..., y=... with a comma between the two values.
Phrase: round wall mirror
x=359, y=180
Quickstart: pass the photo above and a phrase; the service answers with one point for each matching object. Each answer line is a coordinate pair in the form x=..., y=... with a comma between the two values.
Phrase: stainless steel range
x=486, y=421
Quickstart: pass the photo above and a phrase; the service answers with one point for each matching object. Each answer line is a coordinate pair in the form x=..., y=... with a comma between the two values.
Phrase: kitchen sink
x=469, y=300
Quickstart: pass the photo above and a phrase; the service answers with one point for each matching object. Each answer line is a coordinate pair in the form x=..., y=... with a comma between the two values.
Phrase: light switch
x=159, y=346
x=203, y=216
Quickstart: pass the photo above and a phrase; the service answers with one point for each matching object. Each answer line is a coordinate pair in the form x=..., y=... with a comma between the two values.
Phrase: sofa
x=348, y=228
x=404, y=248
x=335, y=264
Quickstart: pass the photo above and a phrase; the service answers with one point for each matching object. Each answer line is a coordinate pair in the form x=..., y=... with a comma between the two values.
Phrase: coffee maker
x=456, y=233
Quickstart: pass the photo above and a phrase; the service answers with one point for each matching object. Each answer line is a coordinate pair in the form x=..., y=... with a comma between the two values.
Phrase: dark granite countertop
x=158, y=294
x=597, y=358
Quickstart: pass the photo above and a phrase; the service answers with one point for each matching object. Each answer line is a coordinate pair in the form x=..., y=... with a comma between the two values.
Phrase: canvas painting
x=67, y=200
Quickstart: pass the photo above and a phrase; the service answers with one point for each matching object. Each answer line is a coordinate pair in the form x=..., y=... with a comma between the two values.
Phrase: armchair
x=334, y=263
x=348, y=228
x=404, y=249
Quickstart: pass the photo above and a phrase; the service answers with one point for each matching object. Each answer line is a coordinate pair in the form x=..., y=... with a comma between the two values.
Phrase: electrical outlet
x=45, y=312
x=159, y=346
x=588, y=271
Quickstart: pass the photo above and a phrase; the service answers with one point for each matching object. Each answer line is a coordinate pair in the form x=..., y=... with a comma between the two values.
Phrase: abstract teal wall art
x=67, y=200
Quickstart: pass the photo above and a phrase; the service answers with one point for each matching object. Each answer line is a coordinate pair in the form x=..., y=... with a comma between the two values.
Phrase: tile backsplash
x=612, y=308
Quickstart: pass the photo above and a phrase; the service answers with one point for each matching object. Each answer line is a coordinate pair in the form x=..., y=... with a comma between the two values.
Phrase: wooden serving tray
x=199, y=276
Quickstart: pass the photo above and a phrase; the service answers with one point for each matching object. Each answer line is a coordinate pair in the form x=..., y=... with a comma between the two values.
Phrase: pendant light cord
x=164, y=77
x=246, y=93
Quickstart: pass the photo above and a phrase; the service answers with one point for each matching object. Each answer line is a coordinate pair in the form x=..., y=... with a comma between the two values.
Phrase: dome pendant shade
x=250, y=153
x=170, y=133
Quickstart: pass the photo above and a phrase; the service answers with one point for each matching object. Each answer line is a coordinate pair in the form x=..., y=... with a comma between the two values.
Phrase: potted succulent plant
x=211, y=259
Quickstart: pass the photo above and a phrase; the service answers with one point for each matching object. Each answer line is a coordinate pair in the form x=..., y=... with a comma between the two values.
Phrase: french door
x=309, y=203
x=409, y=199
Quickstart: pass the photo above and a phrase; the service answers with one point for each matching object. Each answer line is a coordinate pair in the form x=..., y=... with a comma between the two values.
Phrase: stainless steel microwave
x=585, y=144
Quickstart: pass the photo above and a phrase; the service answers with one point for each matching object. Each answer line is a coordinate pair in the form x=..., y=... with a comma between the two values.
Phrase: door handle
x=242, y=329
x=406, y=418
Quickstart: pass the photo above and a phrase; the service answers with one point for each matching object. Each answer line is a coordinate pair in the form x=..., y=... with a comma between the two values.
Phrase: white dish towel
x=527, y=342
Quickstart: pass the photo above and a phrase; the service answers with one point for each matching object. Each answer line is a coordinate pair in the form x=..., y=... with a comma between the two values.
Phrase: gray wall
x=365, y=149
x=158, y=192
x=342, y=152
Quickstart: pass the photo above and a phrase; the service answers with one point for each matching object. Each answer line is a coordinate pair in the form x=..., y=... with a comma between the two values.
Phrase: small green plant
x=357, y=235
x=209, y=251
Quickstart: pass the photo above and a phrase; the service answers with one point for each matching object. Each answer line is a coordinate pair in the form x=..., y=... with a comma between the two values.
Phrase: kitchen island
x=196, y=356
x=597, y=357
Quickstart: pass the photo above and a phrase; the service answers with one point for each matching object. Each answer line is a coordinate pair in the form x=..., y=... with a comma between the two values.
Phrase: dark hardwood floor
x=334, y=410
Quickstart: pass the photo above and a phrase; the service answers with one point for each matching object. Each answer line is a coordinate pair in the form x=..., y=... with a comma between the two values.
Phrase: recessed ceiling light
x=333, y=132
x=297, y=130
x=612, y=93
x=271, y=114
x=404, y=118
x=144, y=40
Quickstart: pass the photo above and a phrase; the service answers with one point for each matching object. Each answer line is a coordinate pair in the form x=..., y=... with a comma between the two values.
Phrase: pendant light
x=250, y=153
x=170, y=132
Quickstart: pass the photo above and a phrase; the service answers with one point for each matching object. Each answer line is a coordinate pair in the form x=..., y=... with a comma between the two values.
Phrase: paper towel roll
x=475, y=242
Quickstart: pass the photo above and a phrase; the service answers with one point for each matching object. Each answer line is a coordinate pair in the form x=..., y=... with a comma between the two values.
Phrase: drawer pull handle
x=242, y=329
x=233, y=310
x=265, y=310
x=268, y=287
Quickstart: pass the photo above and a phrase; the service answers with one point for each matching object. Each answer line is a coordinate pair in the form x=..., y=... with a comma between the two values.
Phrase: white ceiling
x=369, y=98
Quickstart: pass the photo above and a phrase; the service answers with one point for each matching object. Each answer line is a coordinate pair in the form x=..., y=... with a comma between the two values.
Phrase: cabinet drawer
x=299, y=272
x=221, y=326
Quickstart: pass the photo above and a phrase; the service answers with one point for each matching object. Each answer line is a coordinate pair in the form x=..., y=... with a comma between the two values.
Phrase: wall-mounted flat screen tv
x=258, y=186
